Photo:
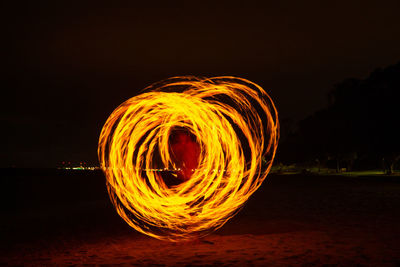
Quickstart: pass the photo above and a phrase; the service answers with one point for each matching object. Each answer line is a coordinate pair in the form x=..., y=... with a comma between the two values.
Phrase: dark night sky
x=67, y=66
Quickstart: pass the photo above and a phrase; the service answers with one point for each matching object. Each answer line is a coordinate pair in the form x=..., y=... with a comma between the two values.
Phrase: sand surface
x=290, y=221
x=302, y=248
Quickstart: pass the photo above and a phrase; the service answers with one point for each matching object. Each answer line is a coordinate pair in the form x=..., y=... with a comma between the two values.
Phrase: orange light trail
x=236, y=127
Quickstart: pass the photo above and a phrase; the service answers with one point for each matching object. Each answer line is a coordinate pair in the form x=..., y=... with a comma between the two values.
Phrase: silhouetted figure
x=185, y=152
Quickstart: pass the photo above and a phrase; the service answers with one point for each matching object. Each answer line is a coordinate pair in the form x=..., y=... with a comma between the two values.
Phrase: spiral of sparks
x=235, y=125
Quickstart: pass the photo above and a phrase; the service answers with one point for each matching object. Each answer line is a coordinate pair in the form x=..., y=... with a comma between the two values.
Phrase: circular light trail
x=230, y=123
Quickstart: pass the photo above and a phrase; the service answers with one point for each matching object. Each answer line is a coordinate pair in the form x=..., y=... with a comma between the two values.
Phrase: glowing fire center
x=216, y=137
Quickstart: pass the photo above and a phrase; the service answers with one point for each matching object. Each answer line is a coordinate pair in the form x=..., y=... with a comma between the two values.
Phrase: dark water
x=48, y=203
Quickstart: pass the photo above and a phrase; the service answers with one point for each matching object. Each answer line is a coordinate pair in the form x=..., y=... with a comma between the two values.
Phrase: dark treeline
x=359, y=130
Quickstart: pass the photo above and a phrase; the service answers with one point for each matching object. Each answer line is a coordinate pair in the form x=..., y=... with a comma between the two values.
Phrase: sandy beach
x=292, y=220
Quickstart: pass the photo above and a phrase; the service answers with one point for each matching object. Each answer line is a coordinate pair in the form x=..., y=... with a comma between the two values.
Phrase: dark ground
x=56, y=217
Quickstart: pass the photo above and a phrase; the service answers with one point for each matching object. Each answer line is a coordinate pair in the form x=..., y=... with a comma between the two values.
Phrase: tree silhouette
x=361, y=124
